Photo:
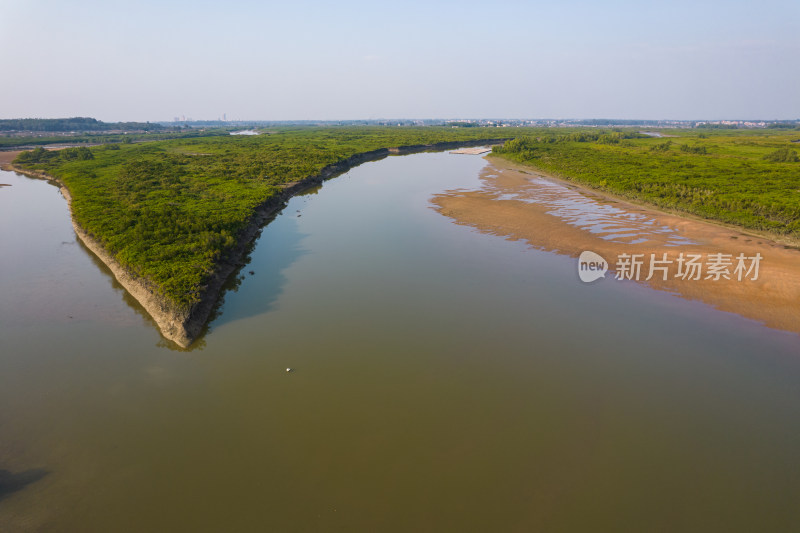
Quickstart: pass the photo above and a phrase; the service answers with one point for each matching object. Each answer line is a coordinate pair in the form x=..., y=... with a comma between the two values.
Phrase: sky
x=310, y=60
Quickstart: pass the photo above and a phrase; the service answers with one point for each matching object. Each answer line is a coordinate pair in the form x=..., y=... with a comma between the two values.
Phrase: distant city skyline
x=351, y=60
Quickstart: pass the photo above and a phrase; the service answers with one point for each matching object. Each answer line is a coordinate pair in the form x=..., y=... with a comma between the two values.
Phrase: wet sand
x=5, y=159
x=8, y=157
x=550, y=214
x=472, y=151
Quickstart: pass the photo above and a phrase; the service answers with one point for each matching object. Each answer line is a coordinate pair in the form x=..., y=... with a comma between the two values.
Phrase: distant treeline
x=72, y=124
x=772, y=126
x=615, y=122
x=708, y=126
x=784, y=125
x=32, y=139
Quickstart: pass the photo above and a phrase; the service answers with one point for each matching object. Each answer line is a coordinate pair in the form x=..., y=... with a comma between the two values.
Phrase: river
x=442, y=380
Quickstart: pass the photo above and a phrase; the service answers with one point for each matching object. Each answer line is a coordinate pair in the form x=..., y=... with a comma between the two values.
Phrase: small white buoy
x=288, y=369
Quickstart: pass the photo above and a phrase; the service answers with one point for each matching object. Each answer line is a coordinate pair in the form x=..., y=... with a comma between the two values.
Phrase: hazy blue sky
x=301, y=59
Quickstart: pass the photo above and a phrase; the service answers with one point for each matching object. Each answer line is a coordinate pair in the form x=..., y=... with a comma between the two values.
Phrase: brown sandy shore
x=183, y=326
x=521, y=203
x=8, y=157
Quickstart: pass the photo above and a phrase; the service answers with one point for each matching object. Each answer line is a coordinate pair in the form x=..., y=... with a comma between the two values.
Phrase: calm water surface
x=445, y=380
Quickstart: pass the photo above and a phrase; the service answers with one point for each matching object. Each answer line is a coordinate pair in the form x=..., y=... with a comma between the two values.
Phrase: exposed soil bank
x=7, y=157
x=550, y=214
x=182, y=325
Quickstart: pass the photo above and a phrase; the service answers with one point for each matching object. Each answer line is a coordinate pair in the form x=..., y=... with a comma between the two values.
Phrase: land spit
x=183, y=325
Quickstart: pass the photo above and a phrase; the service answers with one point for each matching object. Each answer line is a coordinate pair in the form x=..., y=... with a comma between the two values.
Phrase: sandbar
x=522, y=203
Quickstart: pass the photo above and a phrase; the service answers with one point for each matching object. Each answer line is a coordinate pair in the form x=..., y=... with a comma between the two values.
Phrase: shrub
x=783, y=155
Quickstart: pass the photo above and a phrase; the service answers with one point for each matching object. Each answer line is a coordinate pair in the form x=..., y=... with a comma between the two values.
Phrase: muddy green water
x=445, y=380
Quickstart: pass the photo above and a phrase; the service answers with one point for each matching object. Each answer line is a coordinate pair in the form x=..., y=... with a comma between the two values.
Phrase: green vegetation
x=783, y=155
x=661, y=147
x=40, y=155
x=16, y=141
x=72, y=124
x=784, y=125
x=695, y=149
x=170, y=210
x=742, y=177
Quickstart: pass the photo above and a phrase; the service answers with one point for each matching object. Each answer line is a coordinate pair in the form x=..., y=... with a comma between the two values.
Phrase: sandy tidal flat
x=8, y=157
x=728, y=269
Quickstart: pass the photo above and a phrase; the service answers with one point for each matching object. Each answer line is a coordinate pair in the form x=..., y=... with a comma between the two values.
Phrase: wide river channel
x=443, y=380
